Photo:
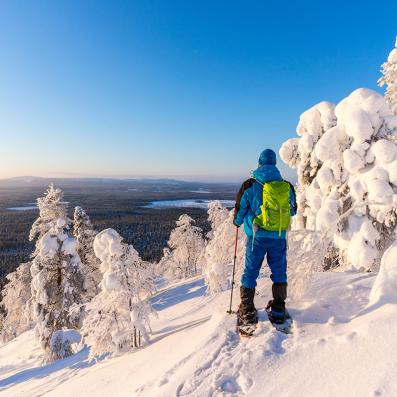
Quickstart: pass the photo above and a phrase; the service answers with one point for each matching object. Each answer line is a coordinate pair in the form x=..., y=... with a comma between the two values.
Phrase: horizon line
x=189, y=178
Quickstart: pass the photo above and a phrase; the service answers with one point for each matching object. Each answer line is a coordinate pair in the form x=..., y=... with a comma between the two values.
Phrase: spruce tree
x=219, y=251
x=186, y=248
x=15, y=296
x=118, y=317
x=57, y=280
x=389, y=79
x=346, y=159
x=217, y=214
x=84, y=234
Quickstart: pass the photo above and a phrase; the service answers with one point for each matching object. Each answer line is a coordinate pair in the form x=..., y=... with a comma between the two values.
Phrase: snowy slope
x=341, y=346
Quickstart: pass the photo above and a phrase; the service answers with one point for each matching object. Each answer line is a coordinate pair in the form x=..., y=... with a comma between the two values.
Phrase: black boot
x=246, y=312
x=276, y=307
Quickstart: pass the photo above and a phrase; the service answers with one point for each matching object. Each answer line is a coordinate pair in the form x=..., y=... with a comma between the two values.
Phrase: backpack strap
x=246, y=185
x=295, y=204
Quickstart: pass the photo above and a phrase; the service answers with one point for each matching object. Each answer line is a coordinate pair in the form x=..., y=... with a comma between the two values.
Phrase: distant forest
x=118, y=204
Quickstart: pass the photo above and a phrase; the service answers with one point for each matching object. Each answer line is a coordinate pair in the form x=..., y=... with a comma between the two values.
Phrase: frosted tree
x=305, y=256
x=186, y=245
x=219, y=254
x=163, y=264
x=84, y=234
x=389, y=79
x=15, y=295
x=298, y=153
x=57, y=281
x=3, y=335
x=52, y=216
x=347, y=173
x=217, y=214
x=119, y=315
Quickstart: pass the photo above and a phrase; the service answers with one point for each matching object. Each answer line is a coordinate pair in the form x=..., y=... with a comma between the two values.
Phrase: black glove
x=235, y=224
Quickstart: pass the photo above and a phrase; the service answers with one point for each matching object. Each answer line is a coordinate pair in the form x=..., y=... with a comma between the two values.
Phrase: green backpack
x=275, y=209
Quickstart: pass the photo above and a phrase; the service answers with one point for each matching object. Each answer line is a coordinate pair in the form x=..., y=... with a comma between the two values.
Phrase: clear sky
x=188, y=89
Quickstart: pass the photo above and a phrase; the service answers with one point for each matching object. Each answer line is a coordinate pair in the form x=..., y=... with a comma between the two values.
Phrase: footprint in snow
x=229, y=385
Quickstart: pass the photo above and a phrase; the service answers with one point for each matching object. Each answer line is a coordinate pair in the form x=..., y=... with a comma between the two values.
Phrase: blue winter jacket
x=249, y=200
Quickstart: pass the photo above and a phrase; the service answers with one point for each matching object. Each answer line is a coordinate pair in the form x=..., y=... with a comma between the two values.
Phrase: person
x=263, y=237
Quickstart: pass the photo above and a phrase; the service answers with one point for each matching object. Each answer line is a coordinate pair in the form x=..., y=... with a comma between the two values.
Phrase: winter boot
x=276, y=307
x=247, y=313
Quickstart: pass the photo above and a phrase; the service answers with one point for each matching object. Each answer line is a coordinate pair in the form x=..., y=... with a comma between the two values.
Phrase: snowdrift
x=341, y=346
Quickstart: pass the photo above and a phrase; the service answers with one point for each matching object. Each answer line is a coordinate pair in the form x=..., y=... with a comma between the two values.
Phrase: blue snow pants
x=276, y=250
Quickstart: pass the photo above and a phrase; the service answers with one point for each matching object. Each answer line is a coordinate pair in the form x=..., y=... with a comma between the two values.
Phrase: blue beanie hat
x=267, y=157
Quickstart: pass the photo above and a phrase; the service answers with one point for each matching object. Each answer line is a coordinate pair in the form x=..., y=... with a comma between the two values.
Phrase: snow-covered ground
x=340, y=346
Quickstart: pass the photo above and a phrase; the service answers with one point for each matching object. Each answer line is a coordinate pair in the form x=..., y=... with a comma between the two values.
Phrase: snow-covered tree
x=217, y=214
x=219, y=254
x=119, y=314
x=298, y=152
x=346, y=160
x=57, y=281
x=186, y=244
x=389, y=79
x=84, y=234
x=305, y=256
x=15, y=295
x=384, y=289
x=162, y=265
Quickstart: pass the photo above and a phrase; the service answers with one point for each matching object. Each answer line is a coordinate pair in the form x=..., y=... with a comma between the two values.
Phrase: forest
x=110, y=203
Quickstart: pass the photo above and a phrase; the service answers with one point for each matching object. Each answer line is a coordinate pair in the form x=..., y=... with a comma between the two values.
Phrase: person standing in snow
x=265, y=204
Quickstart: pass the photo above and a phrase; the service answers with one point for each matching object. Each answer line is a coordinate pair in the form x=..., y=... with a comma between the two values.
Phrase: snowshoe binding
x=247, y=316
x=279, y=316
x=246, y=322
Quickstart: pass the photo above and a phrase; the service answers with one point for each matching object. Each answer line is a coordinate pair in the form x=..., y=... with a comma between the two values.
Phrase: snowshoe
x=247, y=316
x=279, y=317
x=247, y=330
x=247, y=322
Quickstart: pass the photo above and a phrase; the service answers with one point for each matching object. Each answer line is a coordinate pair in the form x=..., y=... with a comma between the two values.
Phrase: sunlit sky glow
x=193, y=90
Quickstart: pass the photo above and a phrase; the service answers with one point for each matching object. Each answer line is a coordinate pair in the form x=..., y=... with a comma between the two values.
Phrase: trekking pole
x=234, y=269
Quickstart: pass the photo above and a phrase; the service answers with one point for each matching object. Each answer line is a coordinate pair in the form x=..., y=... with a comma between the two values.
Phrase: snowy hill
x=341, y=346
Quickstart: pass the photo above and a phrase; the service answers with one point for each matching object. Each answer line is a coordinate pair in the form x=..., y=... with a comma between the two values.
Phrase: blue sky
x=188, y=89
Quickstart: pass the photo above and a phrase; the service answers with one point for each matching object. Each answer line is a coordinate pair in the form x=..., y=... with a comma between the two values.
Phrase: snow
x=392, y=168
x=326, y=218
x=384, y=289
x=392, y=58
x=49, y=245
x=336, y=349
x=107, y=244
x=190, y=203
x=352, y=161
x=327, y=146
x=354, y=119
x=70, y=335
x=69, y=246
x=289, y=152
x=313, y=120
x=384, y=151
x=379, y=191
x=62, y=340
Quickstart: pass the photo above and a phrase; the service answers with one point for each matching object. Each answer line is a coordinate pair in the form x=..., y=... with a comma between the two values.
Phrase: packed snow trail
x=339, y=346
